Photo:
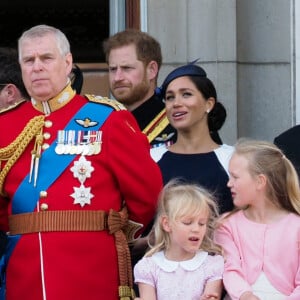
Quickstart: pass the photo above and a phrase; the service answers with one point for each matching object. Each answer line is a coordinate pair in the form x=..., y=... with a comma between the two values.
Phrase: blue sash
x=48, y=173
x=27, y=196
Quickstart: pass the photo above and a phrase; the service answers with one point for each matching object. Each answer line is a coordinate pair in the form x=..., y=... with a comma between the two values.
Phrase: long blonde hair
x=178, y=199
x=282, y=179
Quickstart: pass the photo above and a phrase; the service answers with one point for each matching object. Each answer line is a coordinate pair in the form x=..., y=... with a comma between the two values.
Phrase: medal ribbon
x=49, y=172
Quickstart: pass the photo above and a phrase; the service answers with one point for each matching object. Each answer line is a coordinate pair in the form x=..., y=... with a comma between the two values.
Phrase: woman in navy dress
x=198, y=155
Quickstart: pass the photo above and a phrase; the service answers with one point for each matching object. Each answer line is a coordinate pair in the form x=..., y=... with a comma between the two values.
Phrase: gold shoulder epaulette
x=11, y=106
x=106, y=101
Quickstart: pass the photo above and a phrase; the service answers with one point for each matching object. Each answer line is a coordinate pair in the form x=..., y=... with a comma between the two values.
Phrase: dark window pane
x=85, y=23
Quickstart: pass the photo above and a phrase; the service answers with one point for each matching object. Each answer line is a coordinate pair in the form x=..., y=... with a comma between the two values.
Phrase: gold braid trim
x=14, y=150
x=156, y=126
x=12, y=106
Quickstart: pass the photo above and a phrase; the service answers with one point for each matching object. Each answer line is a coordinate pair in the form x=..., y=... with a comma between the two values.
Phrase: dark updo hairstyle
x=217, y=115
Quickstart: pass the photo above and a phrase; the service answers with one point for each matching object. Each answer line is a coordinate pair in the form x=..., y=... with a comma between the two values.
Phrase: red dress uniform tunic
x=77, y=265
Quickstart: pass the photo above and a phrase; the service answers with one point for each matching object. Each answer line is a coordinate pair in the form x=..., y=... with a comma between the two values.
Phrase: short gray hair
x=42, y=30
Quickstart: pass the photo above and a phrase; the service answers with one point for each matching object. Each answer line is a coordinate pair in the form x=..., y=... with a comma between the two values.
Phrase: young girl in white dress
x=183, y=263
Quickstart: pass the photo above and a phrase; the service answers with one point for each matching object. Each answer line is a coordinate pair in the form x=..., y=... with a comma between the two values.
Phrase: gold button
x=43, y=194
x=46, y=135
x=48, y=123
x=44, y=206
x=45, y=146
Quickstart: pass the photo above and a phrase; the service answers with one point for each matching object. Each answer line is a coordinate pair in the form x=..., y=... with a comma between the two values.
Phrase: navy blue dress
x=205, y=169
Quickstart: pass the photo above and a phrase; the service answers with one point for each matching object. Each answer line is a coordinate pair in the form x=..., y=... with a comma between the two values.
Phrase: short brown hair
x=147, y=48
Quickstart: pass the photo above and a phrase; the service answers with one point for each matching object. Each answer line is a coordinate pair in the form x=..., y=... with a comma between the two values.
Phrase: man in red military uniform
x=72, y=169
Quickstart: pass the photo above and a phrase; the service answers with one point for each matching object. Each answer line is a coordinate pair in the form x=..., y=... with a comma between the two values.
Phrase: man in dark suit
x=134, y=59
x=289, y=143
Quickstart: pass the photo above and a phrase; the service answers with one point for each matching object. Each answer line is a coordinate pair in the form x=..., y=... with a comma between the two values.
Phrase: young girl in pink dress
x=184, y=262
x=261, y=239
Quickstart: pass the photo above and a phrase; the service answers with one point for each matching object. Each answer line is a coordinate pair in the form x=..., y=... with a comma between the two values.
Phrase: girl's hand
x=249, y=296
x=211, y=296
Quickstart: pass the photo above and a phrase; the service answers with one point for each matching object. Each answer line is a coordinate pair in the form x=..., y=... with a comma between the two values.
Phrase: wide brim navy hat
x=187, y=70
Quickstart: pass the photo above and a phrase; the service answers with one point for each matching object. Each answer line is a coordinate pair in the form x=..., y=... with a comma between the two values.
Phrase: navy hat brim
x=186, y=70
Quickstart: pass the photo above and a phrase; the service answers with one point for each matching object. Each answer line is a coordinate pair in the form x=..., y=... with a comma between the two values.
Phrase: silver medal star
x=82, y=195
x=82, y=169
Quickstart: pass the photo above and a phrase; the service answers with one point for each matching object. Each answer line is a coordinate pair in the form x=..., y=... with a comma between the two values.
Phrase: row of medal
x=85, y=142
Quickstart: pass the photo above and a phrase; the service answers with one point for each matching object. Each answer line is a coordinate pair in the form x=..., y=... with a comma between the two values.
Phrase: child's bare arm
x=146, y=291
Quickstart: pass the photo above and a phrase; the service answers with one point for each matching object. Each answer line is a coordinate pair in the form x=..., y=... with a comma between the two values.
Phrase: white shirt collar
x=188, y=265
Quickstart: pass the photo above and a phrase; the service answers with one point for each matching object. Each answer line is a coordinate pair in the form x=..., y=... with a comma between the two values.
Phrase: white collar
x=188, y=265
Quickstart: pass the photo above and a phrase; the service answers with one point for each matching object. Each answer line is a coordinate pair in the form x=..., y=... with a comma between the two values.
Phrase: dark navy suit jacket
x=289, y=143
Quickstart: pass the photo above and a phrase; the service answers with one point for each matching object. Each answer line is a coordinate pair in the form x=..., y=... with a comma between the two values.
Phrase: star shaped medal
x=82, y=170
x=82, y=195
